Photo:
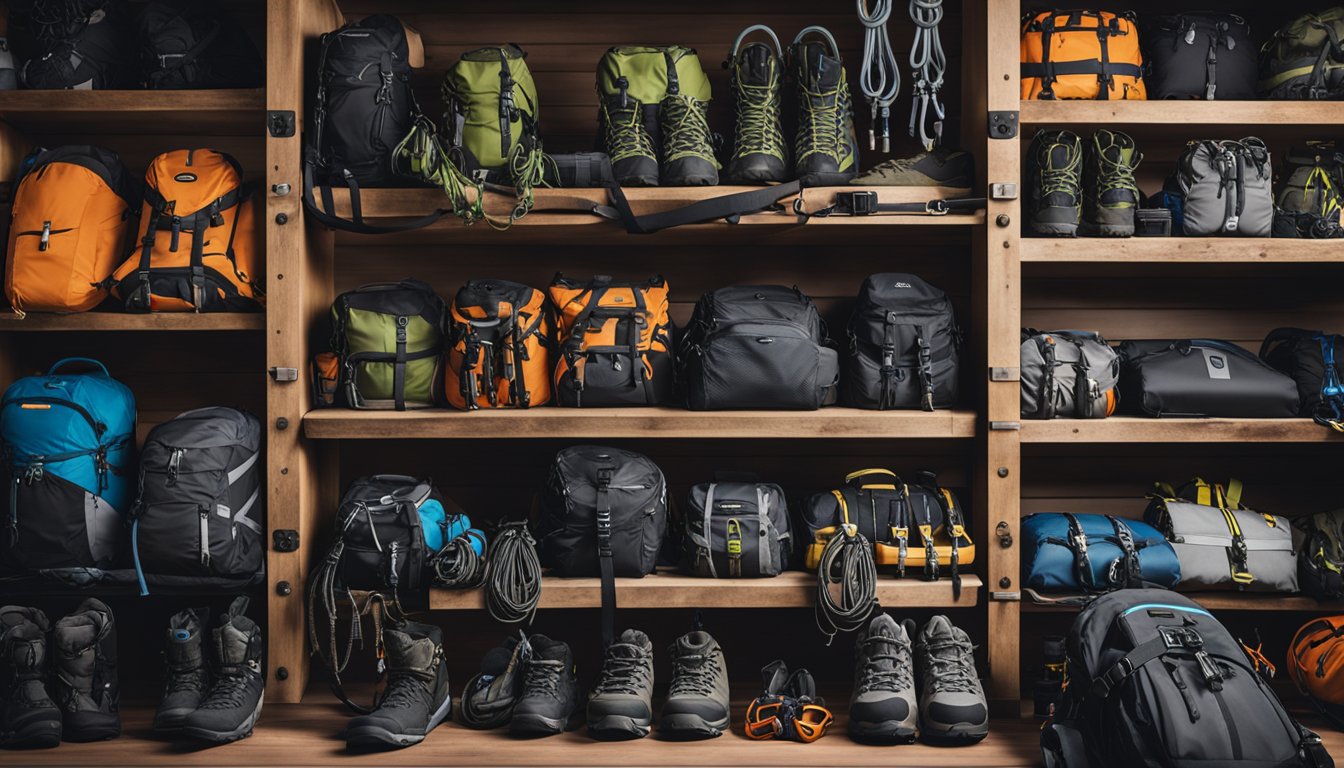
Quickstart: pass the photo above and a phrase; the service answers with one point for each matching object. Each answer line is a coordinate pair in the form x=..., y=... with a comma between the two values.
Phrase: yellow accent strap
x=852, y=476
x=844, y=508
x=1203, y=494
x=926, y=533
x=1234, y=493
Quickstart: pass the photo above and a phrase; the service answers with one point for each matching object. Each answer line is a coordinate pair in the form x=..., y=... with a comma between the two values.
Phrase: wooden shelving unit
x=220, y=112
x=112, y=321
x=1224, y=601
x=1179, y=112
x=1181, y=250
x=1135, y=429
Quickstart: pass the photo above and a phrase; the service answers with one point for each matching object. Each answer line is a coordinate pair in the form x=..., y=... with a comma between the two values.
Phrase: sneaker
x=825, y=145
x=952, y=708
x=84, y=682
x=1110, y=194
x=939, y=168
x=29, y=719
x=490, y=696
x=634, y=162
x=621, y=704
x=697, y=701
x=550, y=690
x=233, y=704
x=688, y=151
x=416, y=698
x=882, y=707
x=1054, y=183
x=755, y=77
x=188, y=674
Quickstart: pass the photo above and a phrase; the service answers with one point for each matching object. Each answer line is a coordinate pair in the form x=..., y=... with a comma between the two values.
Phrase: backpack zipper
x=97, y=426
x=44, y=234
x=174, y=463
x=205, y=535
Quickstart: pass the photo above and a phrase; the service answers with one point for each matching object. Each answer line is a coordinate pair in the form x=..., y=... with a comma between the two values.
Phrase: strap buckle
x=937, y=208
x=860, y=203
x=1103, y=685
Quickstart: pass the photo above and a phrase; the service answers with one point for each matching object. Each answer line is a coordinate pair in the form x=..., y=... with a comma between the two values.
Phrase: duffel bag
x=1303, y=60
x=1316, y=665
x=1221, y=544
x=735, y=530
x=1199, y=56
x=904, y=346
x=1081, y=55
x=1063, y=552
x=1313, y=359
x=1225, y=188
x=1068, y=374
x=1320, y=563
x=499, y=346
x=1202, y=377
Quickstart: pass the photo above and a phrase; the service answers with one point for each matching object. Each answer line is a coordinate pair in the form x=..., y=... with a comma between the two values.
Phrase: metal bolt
x=280, y=190
x=1003, y=471
x=283, y=589
x=1005, y=583
x=282, y=423
x=1003, y=220
x=281, y=218
x=1007, y=244
x=282, y=673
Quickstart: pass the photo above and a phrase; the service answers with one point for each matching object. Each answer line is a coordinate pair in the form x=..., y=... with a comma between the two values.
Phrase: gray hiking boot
x=84, y=658
x=416, y=698
x=550, y=690
x=1054, y=183
x=952, y=708
x=1110, y=194
x=489, y=697
x=755, y=77
x=621, y=704
x=825, y=145
x=188, y=674
x=939, y=168
x=697, y=705
x=688, y=151
x=233, y=704
x=28, y=717
x=882, y=706
x=634, y=161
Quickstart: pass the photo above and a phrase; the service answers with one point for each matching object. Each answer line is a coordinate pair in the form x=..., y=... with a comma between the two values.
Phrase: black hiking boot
x=29, y=719
x=756, y=75
x=490, y=696
x=634, y=162
x=688, y=151
x=697, y=705
x=621, y=704
x=1054, y=183
x=825, y=146
x=939, y=168
x=416, y=698
x=233, y=704
x=550, y=690
x=1110, y=194
x=952, y=708
x=188, y=674
x=84, y=657
x=882, y=706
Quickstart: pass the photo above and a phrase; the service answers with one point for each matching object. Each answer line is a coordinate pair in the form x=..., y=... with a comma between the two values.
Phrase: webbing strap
x=604, y=555
x=722, y=207
x=1125, y=571
x=399, y=366
x=1082, y=566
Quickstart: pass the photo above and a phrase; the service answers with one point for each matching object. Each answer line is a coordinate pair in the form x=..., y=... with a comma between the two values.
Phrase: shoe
x=490, y=696
x=756, y=80
x=84, y=682
x=233, y=704
x=1054, y=183
x=952, y=708
x=939, y=168
x=634, y=162
x=550, y=690
x=697, y=701
x=882, y=707
x=188, y=675
x=621, y=704
x=29, y=719
x=688, y=151
x=416, y=698
x=1110, y=194
x=825, y=145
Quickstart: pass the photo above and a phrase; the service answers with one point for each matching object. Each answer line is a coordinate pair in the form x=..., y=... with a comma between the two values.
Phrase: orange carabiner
x=763, y=718
x=811, y=723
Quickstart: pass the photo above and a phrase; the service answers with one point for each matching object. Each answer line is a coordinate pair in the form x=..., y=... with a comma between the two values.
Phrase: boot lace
x=625, y=134
x=758, y=119
x=405, y=689
x=895, y=675
x=694, y=674
x=1115, y=173
x=191, y=679
x=687, y=129
x=229, y=692
x=951, y=667
x=821, y=114
x=1065, y=179
x=624, y=674
x=543, y=678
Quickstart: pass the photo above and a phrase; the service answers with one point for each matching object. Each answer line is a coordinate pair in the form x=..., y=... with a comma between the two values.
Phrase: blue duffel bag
x=1064, y=552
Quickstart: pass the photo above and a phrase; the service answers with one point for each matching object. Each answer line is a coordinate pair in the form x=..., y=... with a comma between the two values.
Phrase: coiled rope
x=847, y=561
x=879, y=75
x=513, y=575
x=928, y=63
x=458, y=565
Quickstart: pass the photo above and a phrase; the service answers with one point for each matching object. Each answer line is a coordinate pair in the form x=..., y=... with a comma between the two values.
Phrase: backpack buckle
x=861, y=203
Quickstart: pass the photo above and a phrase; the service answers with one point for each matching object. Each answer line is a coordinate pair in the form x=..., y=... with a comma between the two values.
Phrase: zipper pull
x=623, y=84
x=46, y=236
x=392, y=567
x=177, y=230
x=205, y=537
x=174, y=462
x=33, y=474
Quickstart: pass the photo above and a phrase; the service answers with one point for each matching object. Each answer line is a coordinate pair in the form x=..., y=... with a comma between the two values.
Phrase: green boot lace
x=1065, y=177
x=1117, y=159
x=823, y=121
x=685, y=122
x=625, y=135
x=758, y=119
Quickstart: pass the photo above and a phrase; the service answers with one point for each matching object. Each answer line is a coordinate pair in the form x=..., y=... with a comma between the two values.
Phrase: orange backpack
x=614, y=342
x=499, y=336
x=1081, y=55
x=199, y=247
x=69, y=227
x=1316, y=663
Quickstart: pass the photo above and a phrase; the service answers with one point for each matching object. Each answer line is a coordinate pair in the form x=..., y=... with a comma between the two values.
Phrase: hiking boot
x=825, y=146
x=697, y=701
x=1110, y=195
x=84, y=684
x=490, y=696
x=233, y=704
x=416, y=698
x=188, y=675
x=939, y=168
x=28, y=717
x=882, y=707
x=550, y=690
x=1054, y=183
x=634, y=162
x=952, y=708
x=621, y=704
x=756, y=73
x=688, y=152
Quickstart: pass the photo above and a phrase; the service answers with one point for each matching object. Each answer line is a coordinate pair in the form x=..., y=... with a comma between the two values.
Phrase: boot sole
x=1055, y=230
x=961, y=734
x=690, y=727
x=86, y=735
x=371, y=737
x=224, y=737
x=537, y=725
x=170, y=723
x=619, y=728
x=886, y=732
x=43, y=734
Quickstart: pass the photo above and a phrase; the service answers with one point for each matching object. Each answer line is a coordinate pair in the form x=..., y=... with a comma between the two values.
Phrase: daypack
x=1068, y=374
x=757, y=346
x=903, y=346
x=200, y=244
x=1081, y=55
x=386, y=339
x=1064, y=552
x=191, y=44
x=499, y=346
x=1316, y=665
x=1310, y=190
x=200, y=509
x=1303, y=60
x=1225, y=188
x=1155, y=680
x=1209, y=56
x=736, y=529
x=66, y=439
x=68, y=230
x=1202, y=377
x=614, y=342
x=75, y=44
x=1313, y=359
x=1320, y=559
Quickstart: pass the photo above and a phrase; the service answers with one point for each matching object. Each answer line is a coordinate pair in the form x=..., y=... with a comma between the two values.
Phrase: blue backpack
x=66, y=441
x=1094, y=553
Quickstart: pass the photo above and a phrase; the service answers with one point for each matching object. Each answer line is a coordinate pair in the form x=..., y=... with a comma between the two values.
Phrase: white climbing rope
x=928, y=63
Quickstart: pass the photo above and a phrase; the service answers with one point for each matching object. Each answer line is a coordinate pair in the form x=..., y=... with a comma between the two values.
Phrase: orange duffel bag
x=499, y=339
x=1316, y=664
x=1081, y=55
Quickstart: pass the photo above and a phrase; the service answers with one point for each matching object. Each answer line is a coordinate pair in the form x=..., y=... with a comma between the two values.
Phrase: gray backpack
x=1068, y=374
x=1224, y=188
x=736, y=530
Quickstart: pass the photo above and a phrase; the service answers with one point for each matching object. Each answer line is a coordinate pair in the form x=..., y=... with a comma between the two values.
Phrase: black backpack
x=1313, y=360
x=736, y=529
x=757, y=346
x=74, y=44
x=903, y=346
x=1155, y=680
x=191, y=44
x=1209, y=56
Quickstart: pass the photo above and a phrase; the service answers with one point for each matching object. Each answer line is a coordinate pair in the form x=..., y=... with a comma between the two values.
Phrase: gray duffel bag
x=1068, y=374
x=1220, y=543
x=1224, y=188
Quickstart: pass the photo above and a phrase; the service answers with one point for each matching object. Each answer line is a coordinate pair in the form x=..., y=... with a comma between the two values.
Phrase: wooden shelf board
x=637, y=422
x=1173, y=250
x=1241, y=113
x=1224, y=601
x=113, y=321
x=793, y=589
x=1135, y=429
x=238, y=112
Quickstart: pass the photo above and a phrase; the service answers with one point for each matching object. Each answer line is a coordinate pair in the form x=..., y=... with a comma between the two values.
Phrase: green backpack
x=387, y=339
x=1308, y=205
x=1304, y=59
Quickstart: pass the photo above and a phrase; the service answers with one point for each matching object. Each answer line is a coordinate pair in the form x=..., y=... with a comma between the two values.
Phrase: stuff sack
x=1320, y=560
x=757, y=346
x=499, y=346
x=187, y=44
x=1209, y=56
x=1225, y=188
x=1222, y=544
x=386, y=340
x=69, y=229
x=903, y=346
x=1303, y=59
x=1316, y=665
x=1068, y=374
x=1081, y=55
x=736, y=530
x=1202, y=377
x=1313, y=360
x=75, y=44
x=67, y=440
x=1064, y=552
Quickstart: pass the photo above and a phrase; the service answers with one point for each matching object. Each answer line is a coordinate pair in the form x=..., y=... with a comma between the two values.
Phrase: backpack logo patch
x=902, y=285
x=185, y=178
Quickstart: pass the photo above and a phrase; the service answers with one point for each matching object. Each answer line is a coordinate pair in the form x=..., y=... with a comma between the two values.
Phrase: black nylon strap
x=399, y=366
x=356, y=223
x=1082, y=566
x=1127, y=573
x=1082, y=393
x=1053, y=70
x=604, y=555
x=1122, y=669
x=712, y=209
x=1045, y=408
